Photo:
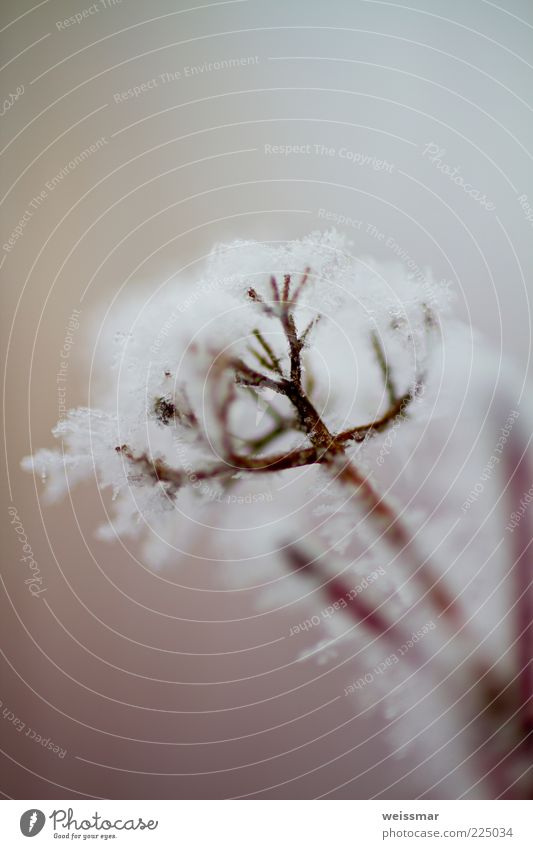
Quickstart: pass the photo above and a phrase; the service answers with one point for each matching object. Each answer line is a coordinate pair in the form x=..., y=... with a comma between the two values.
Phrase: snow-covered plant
x=286, y=356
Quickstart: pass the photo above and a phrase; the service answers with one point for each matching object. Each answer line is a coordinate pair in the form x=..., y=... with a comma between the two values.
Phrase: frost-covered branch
x=284, y=357
x=325, y=444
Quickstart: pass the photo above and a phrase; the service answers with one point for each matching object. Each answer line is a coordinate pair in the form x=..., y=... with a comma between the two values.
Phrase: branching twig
x=325, y=447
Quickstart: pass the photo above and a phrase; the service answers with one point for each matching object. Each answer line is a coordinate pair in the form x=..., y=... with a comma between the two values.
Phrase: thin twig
x=396, y=411
x=384, y=366
x=286, y=287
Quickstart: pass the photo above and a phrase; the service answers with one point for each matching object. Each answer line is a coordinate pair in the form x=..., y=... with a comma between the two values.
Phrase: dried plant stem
x=400, y=539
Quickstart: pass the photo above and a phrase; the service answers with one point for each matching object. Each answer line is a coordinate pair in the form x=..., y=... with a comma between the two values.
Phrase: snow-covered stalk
x=520, y=476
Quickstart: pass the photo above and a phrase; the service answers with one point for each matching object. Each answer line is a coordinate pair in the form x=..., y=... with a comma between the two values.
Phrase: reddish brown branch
x=160, y=471
x=355, y=604
x=286, y=287
x=273, y=361
x=247, y=376
x=326, y=447
x=395, y=411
